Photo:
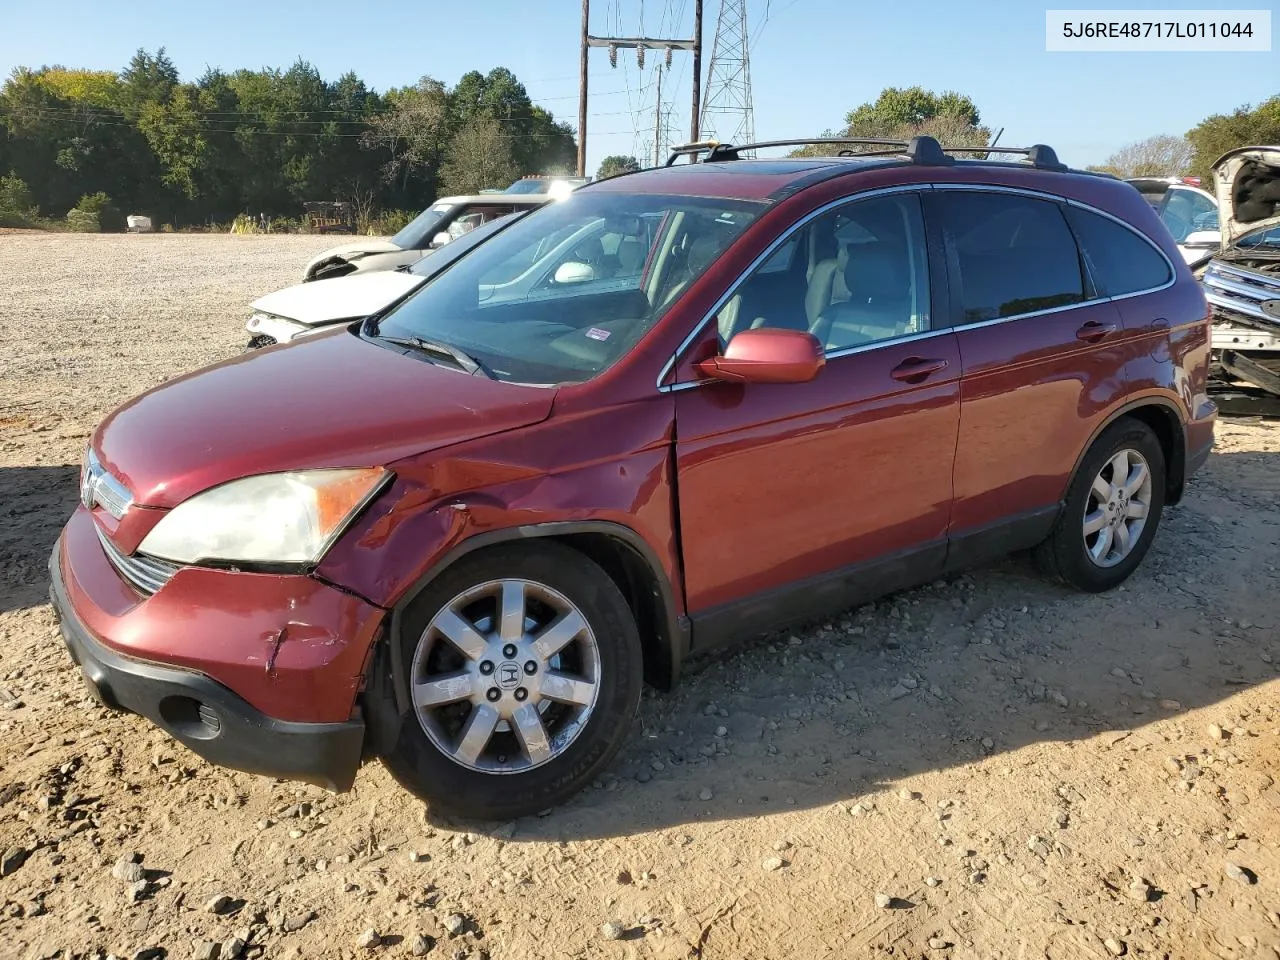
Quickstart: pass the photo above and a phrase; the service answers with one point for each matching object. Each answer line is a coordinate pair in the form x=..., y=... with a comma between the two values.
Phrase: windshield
x=565, y=291
x=528, y=186
x=446, y=255
x=1263, y=241
x=417, y=231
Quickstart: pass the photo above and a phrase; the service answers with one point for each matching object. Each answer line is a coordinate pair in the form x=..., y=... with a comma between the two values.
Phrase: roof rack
x=922, y=150
x=693, y=149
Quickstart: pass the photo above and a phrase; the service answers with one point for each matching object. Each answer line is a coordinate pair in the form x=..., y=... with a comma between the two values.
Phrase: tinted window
x=1119, y=260
x=1015, y=254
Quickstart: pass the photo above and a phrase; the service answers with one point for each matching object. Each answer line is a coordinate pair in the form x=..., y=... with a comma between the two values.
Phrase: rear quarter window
x=1119, y=260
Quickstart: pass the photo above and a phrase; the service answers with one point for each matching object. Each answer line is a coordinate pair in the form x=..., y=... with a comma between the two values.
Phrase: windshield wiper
x=463, y=360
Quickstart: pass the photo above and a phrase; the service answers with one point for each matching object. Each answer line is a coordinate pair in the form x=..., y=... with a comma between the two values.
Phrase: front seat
x=880, y=299
x=822, y=274
x=702, y=250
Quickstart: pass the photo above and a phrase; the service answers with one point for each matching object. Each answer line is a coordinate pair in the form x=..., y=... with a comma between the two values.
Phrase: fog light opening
x=189, y=718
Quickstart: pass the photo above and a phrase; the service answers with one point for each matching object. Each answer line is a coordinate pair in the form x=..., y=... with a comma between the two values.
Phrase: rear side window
x=1008, y=254
x=1119, y=260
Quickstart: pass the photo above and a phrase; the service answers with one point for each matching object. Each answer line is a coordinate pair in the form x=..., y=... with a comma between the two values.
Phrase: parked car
x=443, y=222
x=1189, y=211
x=1242, y=281
x=631, y=427
x=554, y=185
x=305, y=308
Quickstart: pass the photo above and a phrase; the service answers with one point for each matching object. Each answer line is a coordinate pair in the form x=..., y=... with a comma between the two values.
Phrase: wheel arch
x=624, y=555
x=1163, y=416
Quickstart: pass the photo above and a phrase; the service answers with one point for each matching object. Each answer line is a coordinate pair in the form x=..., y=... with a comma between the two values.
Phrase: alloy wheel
x=505, y=676
x=1117, y=507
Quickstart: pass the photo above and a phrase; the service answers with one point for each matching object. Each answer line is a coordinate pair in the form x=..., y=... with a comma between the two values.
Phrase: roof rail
x=692, y=149
x=920, y=149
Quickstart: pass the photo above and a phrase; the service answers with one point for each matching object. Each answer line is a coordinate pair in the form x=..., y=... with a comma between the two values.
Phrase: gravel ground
x=988, y=767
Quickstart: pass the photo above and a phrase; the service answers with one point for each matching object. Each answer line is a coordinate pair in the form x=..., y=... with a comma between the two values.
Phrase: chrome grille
x=99, y=488
x=145, y=574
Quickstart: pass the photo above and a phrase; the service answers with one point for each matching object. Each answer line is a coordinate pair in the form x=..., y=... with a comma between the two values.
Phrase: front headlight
x=274, y=518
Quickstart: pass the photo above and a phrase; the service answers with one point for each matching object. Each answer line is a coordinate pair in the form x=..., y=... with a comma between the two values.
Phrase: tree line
x=260, y=141
x=954, y=120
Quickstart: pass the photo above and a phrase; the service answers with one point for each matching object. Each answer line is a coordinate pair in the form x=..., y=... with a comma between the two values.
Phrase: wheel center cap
x=508, y=674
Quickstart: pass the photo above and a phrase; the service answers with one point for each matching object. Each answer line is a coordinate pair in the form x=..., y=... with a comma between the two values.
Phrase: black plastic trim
x=971, y=548
x=324, y=754
x=816, y=597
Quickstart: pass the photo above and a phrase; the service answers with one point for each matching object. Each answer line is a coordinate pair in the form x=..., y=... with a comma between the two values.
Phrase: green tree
x=898, y=107
x=1158, y=156
x=902, y=113
x=1244, y=126
x=614, y=165
x=480, y=156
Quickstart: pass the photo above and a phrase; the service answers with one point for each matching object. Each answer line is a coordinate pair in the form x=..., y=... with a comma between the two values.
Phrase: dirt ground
x=989, y=767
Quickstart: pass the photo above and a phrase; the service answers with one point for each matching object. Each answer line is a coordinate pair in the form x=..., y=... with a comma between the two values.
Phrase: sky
x=811, y=61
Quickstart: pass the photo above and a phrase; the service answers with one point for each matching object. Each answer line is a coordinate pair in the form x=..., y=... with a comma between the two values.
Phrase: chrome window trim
x=920, y=188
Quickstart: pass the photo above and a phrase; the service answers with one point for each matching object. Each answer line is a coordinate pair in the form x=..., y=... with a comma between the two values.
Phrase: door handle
x=1094, y=331
x=914, y=369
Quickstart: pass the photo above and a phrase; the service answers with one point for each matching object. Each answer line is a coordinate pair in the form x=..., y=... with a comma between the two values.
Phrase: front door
x=805, y=497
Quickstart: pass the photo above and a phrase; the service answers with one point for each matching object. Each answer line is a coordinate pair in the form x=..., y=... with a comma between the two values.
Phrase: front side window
x=1010, y=255
x=567, y=290
x=853, y=276
x=1119, y=260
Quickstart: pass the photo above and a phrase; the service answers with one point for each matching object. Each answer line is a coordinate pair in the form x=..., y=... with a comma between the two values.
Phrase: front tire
x=524, y=670
x=1111, y=512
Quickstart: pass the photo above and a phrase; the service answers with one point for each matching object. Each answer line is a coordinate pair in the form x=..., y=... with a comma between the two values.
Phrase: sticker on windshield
x=595, y=333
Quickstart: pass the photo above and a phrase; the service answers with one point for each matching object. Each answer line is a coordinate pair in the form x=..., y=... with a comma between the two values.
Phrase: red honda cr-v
x=678, y=407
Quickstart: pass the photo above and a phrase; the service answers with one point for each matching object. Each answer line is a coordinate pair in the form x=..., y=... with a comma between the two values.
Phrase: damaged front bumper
x=254, y=672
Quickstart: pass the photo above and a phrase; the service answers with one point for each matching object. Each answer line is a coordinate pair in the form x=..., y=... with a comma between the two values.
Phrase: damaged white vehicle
x=307, y=308
x=1189, y=211
x=441, y=223
x=1242, y=281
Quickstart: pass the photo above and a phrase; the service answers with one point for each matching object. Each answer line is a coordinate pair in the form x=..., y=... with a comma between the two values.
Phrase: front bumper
x=204, y=714
x=279, y=329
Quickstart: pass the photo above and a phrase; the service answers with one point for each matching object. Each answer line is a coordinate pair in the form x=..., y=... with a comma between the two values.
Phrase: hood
x=327, y=400
x=1248, y=188
x=340, y=298
x=365, y=246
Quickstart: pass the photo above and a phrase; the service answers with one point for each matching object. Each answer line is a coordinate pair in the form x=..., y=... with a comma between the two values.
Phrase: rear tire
x=1108, y=521
x=524, y=668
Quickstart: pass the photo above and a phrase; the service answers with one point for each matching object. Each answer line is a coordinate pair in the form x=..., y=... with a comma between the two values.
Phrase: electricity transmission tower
x=727, y=114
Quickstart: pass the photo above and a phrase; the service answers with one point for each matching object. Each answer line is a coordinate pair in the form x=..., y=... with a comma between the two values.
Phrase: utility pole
x=657, y=123
x=640, y=45
x=582, y=94
x=697, y=71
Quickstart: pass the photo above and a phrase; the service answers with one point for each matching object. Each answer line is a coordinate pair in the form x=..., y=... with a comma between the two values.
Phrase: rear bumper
x=204, y=715
x=1200, y=437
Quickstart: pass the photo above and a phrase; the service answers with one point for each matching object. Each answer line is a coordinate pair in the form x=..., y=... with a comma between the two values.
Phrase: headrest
x=702, y=250
x=630, y=253
x=877, y=272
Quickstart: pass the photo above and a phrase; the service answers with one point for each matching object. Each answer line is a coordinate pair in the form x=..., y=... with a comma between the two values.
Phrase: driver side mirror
x=766, y=355
x=440, y=239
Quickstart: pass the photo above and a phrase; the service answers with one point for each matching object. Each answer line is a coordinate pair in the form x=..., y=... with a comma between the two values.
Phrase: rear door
x=1042, y=355
x=798, y=497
